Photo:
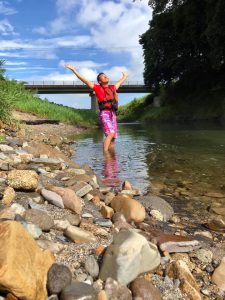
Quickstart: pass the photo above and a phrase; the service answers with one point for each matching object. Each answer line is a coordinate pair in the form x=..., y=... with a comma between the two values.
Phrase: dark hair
x=99, y=76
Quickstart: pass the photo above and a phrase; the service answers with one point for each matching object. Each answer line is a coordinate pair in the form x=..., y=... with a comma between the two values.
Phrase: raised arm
x=121, y=80
x=82, y=78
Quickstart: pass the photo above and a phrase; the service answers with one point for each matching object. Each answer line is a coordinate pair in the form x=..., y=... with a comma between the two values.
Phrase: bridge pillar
x=94, y=102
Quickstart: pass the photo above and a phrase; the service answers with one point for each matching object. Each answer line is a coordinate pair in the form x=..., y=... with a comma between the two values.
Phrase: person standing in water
x=108, y=104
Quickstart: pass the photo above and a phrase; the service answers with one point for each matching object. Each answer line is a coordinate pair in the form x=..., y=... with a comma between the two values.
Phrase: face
x=103, y=79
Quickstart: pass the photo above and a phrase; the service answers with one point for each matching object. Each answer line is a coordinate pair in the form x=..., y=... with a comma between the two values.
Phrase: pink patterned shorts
x=108, y=122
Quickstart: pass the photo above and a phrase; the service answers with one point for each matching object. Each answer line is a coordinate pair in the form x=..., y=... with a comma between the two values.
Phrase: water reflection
x=111, y=169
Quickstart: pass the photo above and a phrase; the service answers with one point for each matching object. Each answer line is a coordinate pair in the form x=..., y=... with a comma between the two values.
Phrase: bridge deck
x=76, y=87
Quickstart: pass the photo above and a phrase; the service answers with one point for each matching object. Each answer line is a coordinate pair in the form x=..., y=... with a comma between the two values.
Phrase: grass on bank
x=13, y=95
x=197, y=105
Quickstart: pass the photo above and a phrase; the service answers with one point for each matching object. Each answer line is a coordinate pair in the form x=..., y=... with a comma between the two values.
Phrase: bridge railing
x=75, y=83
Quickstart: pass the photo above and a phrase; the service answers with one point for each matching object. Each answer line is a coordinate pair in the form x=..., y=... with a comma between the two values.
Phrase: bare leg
x=107, y=141
x=112, y=146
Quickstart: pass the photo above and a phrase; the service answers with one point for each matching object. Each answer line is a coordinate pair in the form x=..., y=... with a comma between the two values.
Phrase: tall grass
x=13, y=95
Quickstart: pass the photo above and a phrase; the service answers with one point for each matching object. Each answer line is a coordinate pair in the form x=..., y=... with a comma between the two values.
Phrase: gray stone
x=59, y=276
x=34, y=205
x=129, y=255
x=18, y=209
x=157, y=203
x=74, y=219
x=52, y=198
x=33, y=230
x=6, y=148
x=54, y=247
x=203, y=255
x=50, y=162
x=103, y=222
x=79, y=235
x=91, y=266
x=82, y=188
x=114, y=290
x=78, y=291
x=40, y=218
x=61, y=224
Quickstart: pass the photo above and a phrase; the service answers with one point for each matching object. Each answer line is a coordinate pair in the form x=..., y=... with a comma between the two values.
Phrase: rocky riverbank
x=64, y=235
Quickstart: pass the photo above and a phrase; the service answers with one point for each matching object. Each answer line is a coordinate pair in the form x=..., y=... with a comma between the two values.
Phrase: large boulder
x=129, y=255
x=130, y=208
x=23, y=265
x=23, y=180
x=152, y=202
x=69, y=197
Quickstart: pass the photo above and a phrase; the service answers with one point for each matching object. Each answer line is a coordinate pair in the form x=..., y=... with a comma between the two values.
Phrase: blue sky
x=39, y=37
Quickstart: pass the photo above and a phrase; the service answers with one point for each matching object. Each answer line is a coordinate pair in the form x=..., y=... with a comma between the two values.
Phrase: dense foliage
x=185, y=43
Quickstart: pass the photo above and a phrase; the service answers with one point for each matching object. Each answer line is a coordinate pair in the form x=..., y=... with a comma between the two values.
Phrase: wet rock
x=143, y=289
x=79, y=235
x=217, y=223
x=91, y=266
x=219, y=275
x=78, y=291
x=23, y=180
x=59, y=276
x=115, y=290
x=157, y=203
x=214, y=195
x=39, y=218
x=130, y=208
x=52, y=198
x=217, y=208
x=17, y=250
x=8, y=196
x=129, y=255
x=70, y=199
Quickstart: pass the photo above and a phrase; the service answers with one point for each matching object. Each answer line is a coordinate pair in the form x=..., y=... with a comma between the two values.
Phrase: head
x=102, y=78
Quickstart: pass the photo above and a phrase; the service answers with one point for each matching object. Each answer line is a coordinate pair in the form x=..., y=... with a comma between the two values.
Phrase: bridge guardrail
x=75, y=83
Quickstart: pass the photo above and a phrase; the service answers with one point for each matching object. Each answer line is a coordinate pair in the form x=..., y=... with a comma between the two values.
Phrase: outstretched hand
x=69, y=67
x=125, y=74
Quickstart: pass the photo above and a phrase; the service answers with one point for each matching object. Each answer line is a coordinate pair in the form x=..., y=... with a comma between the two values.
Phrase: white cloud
x=15, y=63
x=6, y=28
x=82, y=64
x=6, y=9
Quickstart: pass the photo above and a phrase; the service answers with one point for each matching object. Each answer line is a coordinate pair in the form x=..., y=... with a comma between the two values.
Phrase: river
x=188, y=157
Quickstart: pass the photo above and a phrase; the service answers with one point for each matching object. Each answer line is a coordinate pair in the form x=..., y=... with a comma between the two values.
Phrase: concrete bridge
x=77, y=87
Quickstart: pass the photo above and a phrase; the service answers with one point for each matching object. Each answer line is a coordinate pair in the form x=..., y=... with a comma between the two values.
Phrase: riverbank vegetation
x=13, y=95
x=184, y=56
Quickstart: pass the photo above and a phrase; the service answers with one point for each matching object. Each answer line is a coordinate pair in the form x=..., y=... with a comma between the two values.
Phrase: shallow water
x=194, y=155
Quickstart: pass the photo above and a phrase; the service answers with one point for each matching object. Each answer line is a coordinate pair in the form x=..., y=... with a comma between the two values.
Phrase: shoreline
x=84, y=217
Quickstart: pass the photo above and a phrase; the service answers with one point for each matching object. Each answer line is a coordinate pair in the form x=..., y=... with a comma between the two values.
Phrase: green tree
x=185, y=43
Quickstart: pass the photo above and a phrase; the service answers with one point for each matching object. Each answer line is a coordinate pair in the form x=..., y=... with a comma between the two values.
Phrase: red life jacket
x=110, y=101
